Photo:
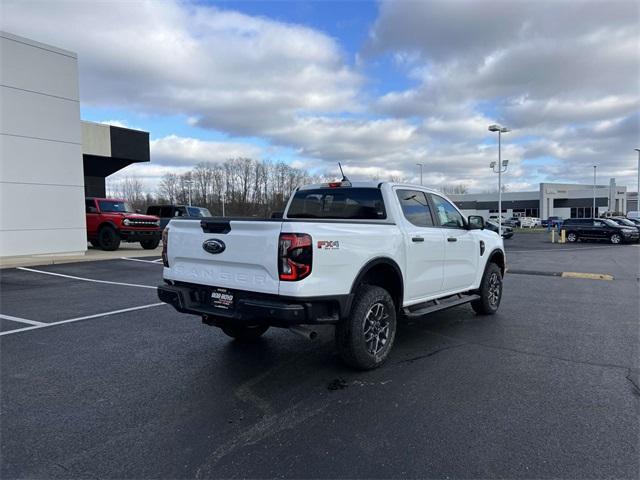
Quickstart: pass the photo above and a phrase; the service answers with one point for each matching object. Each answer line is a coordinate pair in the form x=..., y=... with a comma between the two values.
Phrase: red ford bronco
x=110, y=221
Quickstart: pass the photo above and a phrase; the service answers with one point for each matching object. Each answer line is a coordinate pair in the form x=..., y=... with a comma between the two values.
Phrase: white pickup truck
x=359, y=256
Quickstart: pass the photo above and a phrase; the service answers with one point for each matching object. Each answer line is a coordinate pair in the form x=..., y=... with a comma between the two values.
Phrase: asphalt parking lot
x=129, y=388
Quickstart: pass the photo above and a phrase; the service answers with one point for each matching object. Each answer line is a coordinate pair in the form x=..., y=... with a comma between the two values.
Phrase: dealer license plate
x=221, y=298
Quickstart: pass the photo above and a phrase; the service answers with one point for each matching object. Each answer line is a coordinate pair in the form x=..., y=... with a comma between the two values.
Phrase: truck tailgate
x=249, y=260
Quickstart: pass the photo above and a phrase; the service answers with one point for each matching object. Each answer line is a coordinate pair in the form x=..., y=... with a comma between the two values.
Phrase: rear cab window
x=343, y=203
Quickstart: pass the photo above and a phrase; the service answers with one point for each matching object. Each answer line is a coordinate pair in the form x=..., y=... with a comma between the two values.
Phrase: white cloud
x=182, y=151
x=224, y=69
x=562, y=74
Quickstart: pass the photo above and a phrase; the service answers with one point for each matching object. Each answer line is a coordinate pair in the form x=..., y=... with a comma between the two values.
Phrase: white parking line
x=154, y=262
x=22, y=320
x=85, y=279
x=159, y=260
x=78, y=319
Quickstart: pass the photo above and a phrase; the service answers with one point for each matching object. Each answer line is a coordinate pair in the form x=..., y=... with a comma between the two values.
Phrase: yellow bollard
x=553, y=236
x=563, y=236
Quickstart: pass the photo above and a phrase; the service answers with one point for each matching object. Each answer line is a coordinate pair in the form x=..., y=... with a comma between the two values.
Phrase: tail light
x=295, y=256
x=165, y=245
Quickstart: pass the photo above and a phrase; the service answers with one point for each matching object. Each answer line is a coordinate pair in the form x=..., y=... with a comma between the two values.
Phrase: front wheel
x=490, y=291
x=572, y=237
x=616, y=239
x=365, y=338
x=108, y=239
x=245, y=333
x=150, y=244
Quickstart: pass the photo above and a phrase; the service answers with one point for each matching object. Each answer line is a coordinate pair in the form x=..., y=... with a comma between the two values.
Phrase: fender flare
x=366, y=268
x=493, y=252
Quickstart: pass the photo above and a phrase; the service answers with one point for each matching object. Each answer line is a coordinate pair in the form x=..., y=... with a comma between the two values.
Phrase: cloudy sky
x=379, y=86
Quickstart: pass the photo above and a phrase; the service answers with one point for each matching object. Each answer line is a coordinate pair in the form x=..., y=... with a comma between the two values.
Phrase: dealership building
x=50, y=159
x=551, y=199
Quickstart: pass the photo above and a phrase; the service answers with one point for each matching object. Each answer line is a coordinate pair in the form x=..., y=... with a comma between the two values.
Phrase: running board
x=438, y=304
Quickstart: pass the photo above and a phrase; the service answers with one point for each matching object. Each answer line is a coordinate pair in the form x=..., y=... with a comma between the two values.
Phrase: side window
x=446, y=213
x=415, y=207
x=598, y=223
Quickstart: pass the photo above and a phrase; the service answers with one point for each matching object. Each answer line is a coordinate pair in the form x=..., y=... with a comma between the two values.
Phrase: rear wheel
x=108, y=239
x=616, y=239
x=572, y=237
x=490, y=291
x=150, y=244
x=245, y=333
x=365, y=338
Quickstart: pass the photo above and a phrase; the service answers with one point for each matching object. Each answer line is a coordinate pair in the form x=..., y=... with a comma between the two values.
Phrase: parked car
x=635, y=221
x=507, y=232
x=530, y=222
x=494, y=217
x=599, y=229
x=552, y=222
x=111, y=221
x=626, y=222
x=512, y=222
x=357, y=256
x=168, y=212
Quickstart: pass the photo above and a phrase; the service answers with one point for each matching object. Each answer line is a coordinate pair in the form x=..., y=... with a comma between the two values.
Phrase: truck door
x=462, y=248
x=425, y=246
x=92, y=216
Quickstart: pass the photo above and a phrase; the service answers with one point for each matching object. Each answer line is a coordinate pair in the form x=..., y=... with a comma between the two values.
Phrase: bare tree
x=451, y=189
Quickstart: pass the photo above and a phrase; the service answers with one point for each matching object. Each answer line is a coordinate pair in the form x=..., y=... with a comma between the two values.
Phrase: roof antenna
x=344, y=177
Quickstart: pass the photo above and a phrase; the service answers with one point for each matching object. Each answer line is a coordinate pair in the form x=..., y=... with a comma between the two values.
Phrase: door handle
x=452, y=239
x=417, y=239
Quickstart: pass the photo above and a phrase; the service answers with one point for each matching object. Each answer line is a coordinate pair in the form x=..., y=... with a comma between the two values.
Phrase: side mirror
x=92, y=210
x=476, y=222
x=138, y=210
x=277, y=214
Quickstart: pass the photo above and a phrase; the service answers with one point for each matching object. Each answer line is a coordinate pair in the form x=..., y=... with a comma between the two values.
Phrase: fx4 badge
x=328, y=245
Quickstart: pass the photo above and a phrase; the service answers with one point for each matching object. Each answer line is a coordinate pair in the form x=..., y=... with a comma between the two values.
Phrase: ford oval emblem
x=213, y=245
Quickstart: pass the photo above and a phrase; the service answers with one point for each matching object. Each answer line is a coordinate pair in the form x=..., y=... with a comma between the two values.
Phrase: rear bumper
x=256, y=308
x=138, y=235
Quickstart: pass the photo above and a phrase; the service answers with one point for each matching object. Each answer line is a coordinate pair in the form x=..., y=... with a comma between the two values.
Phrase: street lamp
x=638, y=189
x=420, y=165
x=593, y=212
x=499, y=171
x=189, y=183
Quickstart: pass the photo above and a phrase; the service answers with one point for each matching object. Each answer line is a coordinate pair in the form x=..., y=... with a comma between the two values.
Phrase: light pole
x=500, y=171
x=593, y=212
x=420, y=165
x=189, y=183
x=638, y=189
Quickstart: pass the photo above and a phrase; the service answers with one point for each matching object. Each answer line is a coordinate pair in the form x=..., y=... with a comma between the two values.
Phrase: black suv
x=599, y=229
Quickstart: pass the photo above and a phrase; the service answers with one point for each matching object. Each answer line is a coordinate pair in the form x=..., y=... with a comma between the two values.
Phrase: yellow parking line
x=590, y=276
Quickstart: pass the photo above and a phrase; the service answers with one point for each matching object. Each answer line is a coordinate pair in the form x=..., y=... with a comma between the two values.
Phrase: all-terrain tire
x=245, y=333
x=490, y=291
x=366, y=337
x=150, y=244
x=108, y=238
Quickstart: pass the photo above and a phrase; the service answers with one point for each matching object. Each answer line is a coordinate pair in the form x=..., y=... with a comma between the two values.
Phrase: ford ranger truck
x=111, y=221
x=358, y=256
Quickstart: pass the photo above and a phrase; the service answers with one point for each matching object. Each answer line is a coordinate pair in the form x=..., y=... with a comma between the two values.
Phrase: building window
x=531, y=212
x=581, y=212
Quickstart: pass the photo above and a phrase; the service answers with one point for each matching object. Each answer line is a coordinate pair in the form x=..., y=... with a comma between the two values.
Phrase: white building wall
x=41, y=172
